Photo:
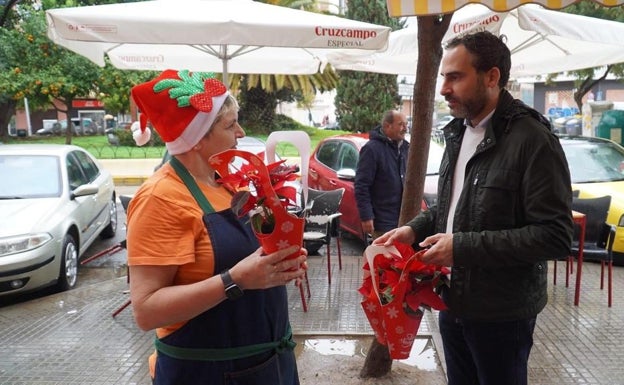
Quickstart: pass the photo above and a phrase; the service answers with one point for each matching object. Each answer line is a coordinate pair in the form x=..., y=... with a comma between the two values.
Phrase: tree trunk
x=7, y=109
x=70, y=126
x=378, y=362
x=586, y=85
x=431, y=29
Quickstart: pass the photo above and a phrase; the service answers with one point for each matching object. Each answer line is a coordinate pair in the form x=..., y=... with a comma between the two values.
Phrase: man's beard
x=471, y=106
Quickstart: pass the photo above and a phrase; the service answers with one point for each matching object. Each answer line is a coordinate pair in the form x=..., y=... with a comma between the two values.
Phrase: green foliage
x=593, y=9
x=257, y=110
x=125, y=138
x=41, y=71
x=286, y=123
x=115, y=86
x=361, y=97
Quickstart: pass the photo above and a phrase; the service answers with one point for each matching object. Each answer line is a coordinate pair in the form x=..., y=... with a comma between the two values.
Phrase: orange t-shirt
x=165, y=227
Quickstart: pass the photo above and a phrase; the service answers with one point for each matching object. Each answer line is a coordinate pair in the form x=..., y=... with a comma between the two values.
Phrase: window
x=328, y=154
x=29, y=176
x=90, y=169
x=349, y=156
x=74, y=173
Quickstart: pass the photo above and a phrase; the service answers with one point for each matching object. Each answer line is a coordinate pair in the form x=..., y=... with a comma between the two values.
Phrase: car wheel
x=110, y=230
x=68, y=274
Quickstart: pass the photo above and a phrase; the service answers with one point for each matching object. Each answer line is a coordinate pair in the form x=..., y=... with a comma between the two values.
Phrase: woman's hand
x=158, y=302
x=259, y=271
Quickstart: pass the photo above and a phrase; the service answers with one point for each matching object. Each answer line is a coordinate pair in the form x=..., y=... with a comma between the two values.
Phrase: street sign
x=406, y=89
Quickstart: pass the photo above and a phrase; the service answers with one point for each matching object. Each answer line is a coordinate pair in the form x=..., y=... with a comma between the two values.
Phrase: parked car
x=246, y=143
x=55, y=201
x=333, y=164
x=332, y=126
x=84, y=126
x=443, y=121
x=597, y=169
x=57, y=128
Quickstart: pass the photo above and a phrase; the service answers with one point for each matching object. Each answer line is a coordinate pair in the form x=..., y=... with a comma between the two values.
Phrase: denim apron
x=243, y=342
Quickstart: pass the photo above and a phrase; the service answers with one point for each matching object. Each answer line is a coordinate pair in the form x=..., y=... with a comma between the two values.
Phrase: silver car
x=55, y=200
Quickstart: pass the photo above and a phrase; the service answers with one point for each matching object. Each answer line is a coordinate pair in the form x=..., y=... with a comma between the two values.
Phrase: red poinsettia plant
x=397, y=288
x=261, y=191
x=251, y=198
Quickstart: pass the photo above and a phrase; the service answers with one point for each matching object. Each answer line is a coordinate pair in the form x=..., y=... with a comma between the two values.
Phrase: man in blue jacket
x=381, y=174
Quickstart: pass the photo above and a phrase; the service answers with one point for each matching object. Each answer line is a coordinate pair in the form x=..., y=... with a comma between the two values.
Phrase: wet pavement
x=71, y=337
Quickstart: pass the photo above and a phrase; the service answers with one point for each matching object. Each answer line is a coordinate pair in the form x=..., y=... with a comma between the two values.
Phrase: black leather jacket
x=513, y=215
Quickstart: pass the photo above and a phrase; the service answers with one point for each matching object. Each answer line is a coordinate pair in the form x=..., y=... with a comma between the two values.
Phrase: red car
x=333, y=164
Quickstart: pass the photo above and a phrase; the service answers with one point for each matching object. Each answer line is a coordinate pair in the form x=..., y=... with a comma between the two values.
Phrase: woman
x=219, y=306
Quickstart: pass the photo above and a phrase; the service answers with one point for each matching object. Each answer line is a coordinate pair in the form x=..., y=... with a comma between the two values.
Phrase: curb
x=129, y=180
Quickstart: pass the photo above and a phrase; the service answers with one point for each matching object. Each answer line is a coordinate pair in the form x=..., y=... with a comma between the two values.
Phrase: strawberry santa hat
x=181, y=106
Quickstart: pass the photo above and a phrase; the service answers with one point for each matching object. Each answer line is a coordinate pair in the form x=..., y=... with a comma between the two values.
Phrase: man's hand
x=403, y=234
x=440, y=251
x=367, y=226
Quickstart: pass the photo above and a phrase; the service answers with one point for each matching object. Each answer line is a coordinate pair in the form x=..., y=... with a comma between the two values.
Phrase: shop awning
x=398, y=8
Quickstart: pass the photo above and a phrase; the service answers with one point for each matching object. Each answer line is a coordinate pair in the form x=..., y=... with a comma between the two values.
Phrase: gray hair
x=229, y=104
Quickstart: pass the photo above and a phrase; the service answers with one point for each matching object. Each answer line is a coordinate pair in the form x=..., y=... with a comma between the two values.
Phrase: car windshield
x=29, y=176
x=594, y=161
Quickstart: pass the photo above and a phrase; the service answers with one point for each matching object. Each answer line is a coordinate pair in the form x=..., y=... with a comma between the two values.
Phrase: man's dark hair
x=488, y=50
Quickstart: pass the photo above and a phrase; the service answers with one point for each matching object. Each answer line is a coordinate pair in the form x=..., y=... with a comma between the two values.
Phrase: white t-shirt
x=472, y=137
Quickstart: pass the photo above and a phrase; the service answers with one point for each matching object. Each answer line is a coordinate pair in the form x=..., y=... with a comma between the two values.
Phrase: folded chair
x=322, y=223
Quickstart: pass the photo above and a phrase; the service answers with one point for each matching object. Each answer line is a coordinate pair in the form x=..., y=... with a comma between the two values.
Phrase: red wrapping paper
x=288, y=229
x=397, y=287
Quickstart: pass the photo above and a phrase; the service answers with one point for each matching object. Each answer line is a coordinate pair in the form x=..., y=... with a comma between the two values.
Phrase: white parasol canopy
x=239, y=36
x=541, y=42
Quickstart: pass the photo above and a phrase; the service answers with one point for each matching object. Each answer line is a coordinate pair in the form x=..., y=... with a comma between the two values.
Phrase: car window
x=349, y=156
x=328, y=154
x=90, y=169
x=25, y=176
x=74, y=173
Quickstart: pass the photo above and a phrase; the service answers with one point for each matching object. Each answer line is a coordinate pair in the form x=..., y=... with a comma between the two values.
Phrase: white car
x=55, y=200
x=443, y=121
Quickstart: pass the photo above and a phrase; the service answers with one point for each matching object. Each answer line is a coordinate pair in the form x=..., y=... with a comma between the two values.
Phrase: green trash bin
x=611, y=126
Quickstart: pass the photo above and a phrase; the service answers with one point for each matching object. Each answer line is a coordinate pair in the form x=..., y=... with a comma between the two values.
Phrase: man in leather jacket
x=504, y=210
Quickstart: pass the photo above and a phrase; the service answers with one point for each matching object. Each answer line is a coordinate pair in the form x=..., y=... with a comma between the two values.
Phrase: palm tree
x=260, y=93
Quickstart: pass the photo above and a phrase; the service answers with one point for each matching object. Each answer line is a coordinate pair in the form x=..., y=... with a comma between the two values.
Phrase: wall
x=560, y=94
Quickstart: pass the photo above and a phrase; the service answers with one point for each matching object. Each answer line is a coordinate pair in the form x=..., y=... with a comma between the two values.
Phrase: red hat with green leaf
x=181, y=106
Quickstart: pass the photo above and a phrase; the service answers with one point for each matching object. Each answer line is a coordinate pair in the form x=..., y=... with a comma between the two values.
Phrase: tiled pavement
x=71, y=338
